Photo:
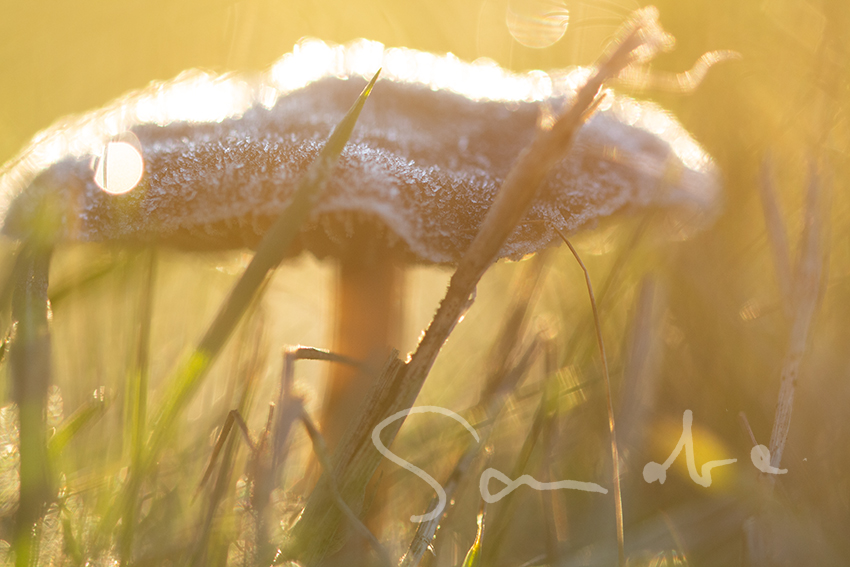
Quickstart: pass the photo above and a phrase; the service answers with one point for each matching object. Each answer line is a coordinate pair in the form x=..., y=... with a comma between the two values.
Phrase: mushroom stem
x=30, y=368
x=368, y=317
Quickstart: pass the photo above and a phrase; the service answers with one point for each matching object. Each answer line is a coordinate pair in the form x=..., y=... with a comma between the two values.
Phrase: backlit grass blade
x=473, y=556
x=270, y=252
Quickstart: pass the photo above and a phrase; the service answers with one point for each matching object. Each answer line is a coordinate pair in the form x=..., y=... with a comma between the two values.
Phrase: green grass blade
x=88, y=413
x=473, y=556
x=30, y=372
x=270, y=253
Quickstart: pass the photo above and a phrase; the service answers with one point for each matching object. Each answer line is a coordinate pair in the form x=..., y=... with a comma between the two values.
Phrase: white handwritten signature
x=760, y=456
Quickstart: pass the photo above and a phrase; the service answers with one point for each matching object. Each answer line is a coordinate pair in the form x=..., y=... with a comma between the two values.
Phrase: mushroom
x=222, y=156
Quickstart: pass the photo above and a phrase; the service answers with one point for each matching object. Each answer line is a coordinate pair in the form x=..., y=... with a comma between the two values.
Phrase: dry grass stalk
x=314, y=535
x=806, y=291
x=777, y=236
x=801, y=298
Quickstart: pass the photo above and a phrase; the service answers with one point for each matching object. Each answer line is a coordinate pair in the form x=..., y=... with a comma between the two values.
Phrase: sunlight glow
x=482, y=79
x=197, y=96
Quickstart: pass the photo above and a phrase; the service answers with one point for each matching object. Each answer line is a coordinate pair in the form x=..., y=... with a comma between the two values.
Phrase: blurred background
x=701, y=324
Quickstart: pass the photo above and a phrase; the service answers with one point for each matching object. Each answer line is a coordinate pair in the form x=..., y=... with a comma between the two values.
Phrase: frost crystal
x=427, y=156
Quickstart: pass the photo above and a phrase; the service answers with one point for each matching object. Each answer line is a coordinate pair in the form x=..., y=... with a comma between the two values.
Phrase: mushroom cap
x=430, y=150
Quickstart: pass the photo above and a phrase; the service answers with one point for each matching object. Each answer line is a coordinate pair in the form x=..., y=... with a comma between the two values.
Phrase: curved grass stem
x=615, y=454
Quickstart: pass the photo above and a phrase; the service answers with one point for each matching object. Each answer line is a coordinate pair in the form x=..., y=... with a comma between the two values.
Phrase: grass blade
x=473, y=556
x=271, y=251
x=88, y=413
x=30, y=371
x=615, y=453
x=807, y=284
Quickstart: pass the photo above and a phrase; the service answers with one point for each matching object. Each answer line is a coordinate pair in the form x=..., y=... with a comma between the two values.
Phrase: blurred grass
x=715, y=332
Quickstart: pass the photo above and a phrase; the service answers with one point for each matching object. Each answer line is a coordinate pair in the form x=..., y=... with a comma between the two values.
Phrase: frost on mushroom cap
x=222, y=156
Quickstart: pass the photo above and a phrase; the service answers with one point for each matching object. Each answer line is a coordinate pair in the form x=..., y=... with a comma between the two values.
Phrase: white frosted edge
x=199, y=96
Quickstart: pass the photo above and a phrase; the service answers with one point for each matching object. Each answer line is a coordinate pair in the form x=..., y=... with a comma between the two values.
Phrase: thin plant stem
x=615, y=454
x=400, y=384
x=321, y=450
x=609, y=285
